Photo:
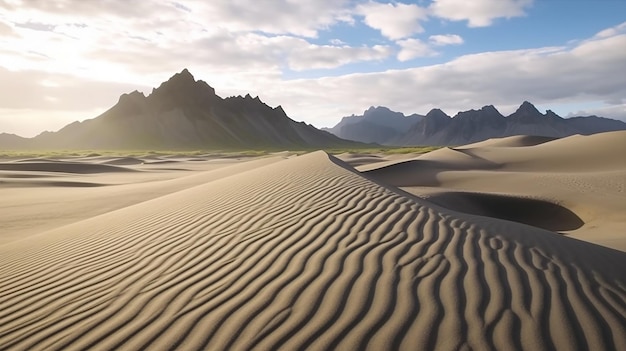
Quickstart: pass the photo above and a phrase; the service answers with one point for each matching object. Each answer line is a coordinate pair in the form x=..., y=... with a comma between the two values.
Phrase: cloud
x=6, y=30
x=224, y=40
x=609, y=32
x=445, y=39
x=46, y=91
x=394, y=20
x=555, y=75
x=479, y=13
x=302, y=18
x=21, y=121
x=326, y=56
x=413, y=48
x=36, y=26
x=545, y=76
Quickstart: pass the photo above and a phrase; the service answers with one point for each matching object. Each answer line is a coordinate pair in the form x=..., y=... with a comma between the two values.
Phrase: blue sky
x=67, y=60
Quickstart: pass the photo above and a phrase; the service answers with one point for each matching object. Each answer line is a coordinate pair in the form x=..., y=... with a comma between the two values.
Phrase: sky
x=68, y=60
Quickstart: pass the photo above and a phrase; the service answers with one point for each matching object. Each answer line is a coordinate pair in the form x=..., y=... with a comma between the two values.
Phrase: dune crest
x=301, y=253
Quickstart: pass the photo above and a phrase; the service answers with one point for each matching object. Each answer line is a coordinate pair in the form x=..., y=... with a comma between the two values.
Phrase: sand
x=304, y=253
x=34, y=201
x=575, y=186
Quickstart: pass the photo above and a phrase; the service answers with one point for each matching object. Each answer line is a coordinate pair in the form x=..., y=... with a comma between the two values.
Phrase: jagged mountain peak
x=183, y=81
x=486, y=112
x=249, y=97
x=527, y=113
x=551, y=114
x=132, y=96
x=527, y=107
x=437, y=114
x=374, y=109
x=182, y=90
x=380, y=113
x=490, y=109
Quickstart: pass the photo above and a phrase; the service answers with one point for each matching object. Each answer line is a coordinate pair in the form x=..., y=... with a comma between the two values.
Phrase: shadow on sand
x=538, y=213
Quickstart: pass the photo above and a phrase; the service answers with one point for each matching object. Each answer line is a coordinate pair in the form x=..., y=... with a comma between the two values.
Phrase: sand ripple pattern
x=307, y=254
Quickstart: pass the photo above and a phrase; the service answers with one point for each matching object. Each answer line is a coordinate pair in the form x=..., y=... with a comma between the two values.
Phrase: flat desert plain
x=514, y=243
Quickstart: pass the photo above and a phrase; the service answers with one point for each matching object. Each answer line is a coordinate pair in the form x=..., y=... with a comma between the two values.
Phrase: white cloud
x=413, y=48
x=394, y=20
x=609, y=32
x=220, y=39
x=6, y=30
x=543, y=76
x=479, y=13
x=326, y=56
x=336, y=41
x=303, y=18
x=445, y=39
x=44, y=91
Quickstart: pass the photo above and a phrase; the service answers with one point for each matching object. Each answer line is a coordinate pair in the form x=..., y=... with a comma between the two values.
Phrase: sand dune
x=512, y=141
x=581, y=177
x=357, y=159
x=306, y=253
x=35, y=201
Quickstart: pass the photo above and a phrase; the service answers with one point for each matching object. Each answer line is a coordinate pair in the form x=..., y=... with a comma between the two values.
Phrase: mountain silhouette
x=437, y=128
x=184, y=113
x=376, y=125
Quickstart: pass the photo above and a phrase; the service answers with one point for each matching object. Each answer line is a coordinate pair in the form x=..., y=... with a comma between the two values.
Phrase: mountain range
x=183, y=113
x=381, y=125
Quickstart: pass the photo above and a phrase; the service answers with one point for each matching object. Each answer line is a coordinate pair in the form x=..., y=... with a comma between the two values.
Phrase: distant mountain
x=595, y=124
x=376, y=125
x=451, y=131
x=12, y=141
x=437, y=128
x=184, y=113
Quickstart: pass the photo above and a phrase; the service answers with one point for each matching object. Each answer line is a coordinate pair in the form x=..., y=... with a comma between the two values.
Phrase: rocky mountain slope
x=183, y=113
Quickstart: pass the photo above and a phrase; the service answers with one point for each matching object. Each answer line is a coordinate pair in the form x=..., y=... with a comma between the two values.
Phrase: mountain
x=183, y=113
x=595, y=124
x=12, y=141
x=527, y=120
x=464, y=126
x=376, y=125
x=437, y=128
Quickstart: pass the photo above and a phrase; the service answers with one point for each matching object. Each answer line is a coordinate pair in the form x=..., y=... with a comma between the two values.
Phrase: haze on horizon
x=67, y=60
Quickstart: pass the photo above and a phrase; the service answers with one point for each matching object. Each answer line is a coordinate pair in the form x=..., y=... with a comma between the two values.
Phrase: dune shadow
x=51, y=183
x=63, y=167
x=537, y=213
x=421, y=172
x=124, y=161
